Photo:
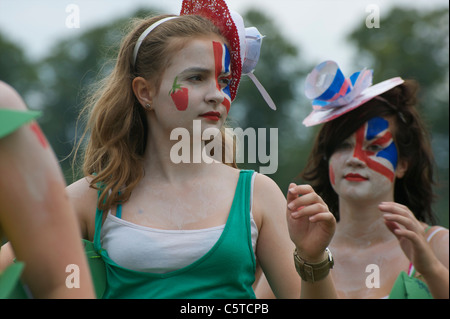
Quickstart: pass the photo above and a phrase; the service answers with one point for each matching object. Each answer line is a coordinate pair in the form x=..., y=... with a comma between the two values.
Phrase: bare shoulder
x=438, y=237
x=80, y=189
x=268, y=199
x=84, y=200
x=9, y=98
x=266, y=189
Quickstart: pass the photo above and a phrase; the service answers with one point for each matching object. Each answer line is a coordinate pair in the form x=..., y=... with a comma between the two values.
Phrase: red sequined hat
x=217, y=12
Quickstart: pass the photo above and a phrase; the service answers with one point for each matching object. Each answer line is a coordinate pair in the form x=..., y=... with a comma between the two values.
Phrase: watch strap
x=312, y=272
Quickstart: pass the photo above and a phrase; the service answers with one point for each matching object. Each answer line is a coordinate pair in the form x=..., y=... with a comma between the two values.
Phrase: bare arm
x=84, y=201
x=36, y=215
x=311, y=227
x=274, y=248
x=429, y=259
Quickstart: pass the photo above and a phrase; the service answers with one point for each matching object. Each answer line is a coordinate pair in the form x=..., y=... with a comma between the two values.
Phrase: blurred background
x=52, y=51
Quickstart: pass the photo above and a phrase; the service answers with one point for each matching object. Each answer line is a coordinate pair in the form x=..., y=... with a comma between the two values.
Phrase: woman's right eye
x=344, y=145
x=195, y=78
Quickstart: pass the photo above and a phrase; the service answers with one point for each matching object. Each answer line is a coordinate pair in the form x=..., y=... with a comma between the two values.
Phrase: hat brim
x=11, y=120
x=319, y=116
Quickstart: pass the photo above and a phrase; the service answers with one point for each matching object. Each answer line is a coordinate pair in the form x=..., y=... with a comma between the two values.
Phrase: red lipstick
x=213, y=116
x=352, y=177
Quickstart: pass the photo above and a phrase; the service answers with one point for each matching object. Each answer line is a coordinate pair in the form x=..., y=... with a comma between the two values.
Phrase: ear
x=142, y=90
x=401, y=169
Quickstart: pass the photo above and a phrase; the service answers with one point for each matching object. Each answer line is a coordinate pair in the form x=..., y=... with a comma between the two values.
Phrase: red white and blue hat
x=245, y=43
x=333, y=95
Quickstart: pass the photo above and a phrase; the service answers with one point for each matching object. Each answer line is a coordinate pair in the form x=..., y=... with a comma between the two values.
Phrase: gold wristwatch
x=313, y=272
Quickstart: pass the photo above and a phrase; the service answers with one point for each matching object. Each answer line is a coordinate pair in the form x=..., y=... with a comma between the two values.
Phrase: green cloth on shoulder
x=406, y=287
x=11, y=120
x=97, y=267
x=10, y=284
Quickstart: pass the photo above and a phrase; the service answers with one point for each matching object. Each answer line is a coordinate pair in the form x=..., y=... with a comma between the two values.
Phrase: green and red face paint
x=222, y=62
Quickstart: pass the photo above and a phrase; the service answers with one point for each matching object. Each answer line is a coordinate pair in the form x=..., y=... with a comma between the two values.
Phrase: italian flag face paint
x=222, y=62
x=374, y=141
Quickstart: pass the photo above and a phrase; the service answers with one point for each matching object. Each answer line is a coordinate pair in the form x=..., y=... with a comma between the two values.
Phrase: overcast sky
x=318, y=27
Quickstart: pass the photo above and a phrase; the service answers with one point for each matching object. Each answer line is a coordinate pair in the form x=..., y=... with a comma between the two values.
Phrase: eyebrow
x=202, y=70
x=196, y=70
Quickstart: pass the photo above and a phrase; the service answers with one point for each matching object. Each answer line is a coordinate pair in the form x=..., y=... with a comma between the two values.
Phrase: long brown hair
x=117, y=127
x=410, y=136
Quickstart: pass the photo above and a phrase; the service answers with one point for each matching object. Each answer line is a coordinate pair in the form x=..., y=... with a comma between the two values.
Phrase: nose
x=354, y=160
x=214, y=95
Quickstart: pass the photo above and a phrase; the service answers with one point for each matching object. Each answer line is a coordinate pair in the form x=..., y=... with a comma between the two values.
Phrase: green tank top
x=226, y=271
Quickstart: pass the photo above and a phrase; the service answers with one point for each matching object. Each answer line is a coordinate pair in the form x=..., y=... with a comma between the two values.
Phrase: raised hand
x=311, y=225
x=410, y=234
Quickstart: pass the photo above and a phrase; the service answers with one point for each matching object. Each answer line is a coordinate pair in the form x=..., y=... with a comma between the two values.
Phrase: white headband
x=144, y=35
x=249, y=48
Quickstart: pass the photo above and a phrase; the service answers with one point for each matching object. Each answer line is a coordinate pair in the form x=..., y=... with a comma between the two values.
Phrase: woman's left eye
x=225, y=81
x=374, y=148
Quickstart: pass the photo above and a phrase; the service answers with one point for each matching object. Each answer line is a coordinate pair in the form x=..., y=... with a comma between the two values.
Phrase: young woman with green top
x=168, y=229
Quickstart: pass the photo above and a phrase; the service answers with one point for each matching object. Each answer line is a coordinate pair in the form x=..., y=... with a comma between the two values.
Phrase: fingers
x=301, y=195
x=303, y=201
x=397, y=215
x=400, y=214
x=291, y=195
x=395, y=208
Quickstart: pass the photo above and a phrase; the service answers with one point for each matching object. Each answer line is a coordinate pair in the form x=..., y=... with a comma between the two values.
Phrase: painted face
x=196, y=83
x=222, y=61
x=374, y=142
x=179, y=91
x=369, y=155
x=179, y=95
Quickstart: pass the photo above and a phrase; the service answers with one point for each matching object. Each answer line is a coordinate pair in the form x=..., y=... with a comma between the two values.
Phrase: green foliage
x=15, y=66
x=68, y=74
x=280, y=70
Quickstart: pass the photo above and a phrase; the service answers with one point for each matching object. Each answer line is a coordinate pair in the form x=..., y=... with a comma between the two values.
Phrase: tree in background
x=17, y=69
x=410, y=43
x=69, y=73
x=281, y=70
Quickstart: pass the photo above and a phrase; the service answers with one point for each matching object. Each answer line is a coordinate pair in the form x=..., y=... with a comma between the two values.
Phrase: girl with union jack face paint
x=372, y=164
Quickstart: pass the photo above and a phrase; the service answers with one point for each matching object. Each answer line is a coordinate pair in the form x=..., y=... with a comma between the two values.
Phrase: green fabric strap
x=10, y=284
x=227, y=270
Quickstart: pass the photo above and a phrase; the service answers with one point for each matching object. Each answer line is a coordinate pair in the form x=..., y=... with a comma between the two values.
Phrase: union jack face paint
x=374, y=142
x=222, y=62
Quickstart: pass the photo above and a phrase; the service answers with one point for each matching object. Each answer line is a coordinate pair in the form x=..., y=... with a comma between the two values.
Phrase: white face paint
x=365, y=163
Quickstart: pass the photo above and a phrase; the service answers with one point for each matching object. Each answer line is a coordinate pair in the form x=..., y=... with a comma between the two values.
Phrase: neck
x=175, y=161
x=361, y=223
